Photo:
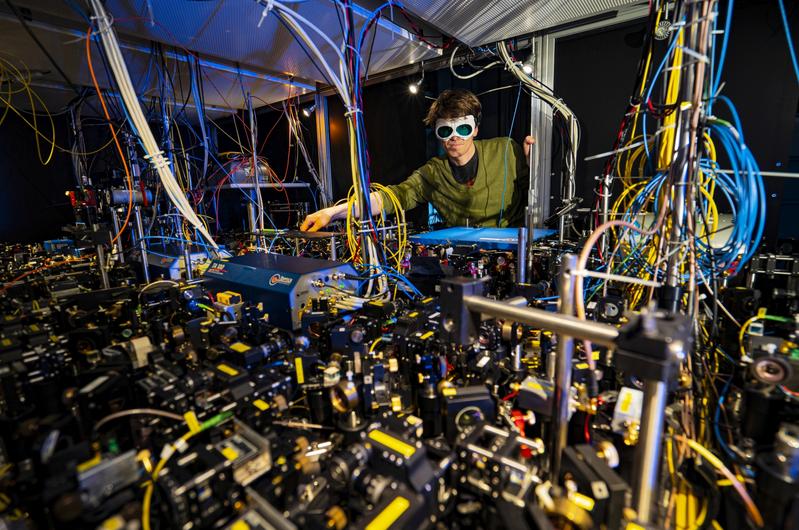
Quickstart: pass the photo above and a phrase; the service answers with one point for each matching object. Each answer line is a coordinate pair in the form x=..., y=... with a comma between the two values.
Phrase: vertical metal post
x=333, y=255
x=682, y=173
x=257, y=229
x=521, y=257
x=323, y=146
x=604, y=242
x=139, y=232
x=647, y=456
x=518, y=352
x=77, y=160
x=101, y=262
x=680, y=178
x=568, y=191
x=118, y=245
x=252, y=219
x=563, y=371
x=101, y=266
x=145, y=262
x=187, y=261
x=170, y=155
x=541, y=129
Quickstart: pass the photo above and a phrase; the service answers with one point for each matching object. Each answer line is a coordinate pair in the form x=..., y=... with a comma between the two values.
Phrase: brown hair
x=454, y=103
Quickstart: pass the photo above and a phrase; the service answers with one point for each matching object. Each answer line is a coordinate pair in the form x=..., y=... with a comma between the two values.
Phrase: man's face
x=457, y=146
x=457, y=135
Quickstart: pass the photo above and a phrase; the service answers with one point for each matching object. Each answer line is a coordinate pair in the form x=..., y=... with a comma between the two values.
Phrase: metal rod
x=521, y=257
x=647, y=457
x=259, y=239
x=333, y=255
x=251, y=215
x=518, y=351
x=568, y=196
x=559, y=429
x=605, y=217
x=118, y=245
x=323, y=147
x=101, y=263
x=187, y=261
x=601, y=334
x=145, y=264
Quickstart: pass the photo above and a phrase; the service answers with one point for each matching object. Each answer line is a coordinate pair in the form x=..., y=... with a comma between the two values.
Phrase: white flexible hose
x=154, y=153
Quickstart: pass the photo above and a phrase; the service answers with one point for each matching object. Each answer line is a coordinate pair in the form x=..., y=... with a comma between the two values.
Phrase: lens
x=467, y=418
x=444, y=132
x=464, y=129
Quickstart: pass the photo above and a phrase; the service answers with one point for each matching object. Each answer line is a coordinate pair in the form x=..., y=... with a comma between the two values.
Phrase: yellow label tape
x=298, y=369
x=390, y=514
x=239, y=347
x=227, y=369
x=398, y=446
x=230, y=453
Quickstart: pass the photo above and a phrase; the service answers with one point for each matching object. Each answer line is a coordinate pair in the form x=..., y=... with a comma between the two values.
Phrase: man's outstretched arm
x=320, y=219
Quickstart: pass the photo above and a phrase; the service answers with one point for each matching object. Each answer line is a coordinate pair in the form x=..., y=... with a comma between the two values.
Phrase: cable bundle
x=346, y=80
x=139, y=122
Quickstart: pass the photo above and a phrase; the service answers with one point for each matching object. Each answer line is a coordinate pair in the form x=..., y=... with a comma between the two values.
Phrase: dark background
x=594, y=74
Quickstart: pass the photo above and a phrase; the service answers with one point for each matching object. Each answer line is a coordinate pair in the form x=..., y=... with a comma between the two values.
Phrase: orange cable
x=113, y=133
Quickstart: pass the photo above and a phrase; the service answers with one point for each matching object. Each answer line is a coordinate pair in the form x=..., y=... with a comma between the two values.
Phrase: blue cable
x=505, y=156
x=717, y=418
x=722, y=55
x=652, y=87
x=790, y=40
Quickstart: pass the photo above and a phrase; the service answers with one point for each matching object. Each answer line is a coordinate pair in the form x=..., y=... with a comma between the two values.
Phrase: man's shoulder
x=492, y=146
x=435, y=164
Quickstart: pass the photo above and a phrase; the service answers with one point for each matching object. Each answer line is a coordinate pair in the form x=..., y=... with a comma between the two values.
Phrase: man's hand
x=316, y=221
x=528, y=143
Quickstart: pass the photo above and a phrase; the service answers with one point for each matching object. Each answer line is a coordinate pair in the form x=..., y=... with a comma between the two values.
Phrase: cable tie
x=104, y=23
x=157, y=160
x=696, y=55
x=352, y=110
x=265, y=13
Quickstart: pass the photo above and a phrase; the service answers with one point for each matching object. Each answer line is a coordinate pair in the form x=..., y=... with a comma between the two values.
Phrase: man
x=477, y=183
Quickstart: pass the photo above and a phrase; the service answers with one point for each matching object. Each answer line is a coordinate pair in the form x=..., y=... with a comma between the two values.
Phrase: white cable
x=473, y=74
x=546, y=95
x=291, y=18
x=154, y=153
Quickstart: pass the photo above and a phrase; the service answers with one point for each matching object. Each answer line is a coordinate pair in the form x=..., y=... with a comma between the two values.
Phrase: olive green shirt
x=478, y=204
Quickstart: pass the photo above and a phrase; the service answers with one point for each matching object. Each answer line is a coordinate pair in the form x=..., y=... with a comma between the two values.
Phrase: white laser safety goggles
x=462, y=127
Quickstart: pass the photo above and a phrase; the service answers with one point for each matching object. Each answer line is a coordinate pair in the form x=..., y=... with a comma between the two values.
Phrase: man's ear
x=476, y=130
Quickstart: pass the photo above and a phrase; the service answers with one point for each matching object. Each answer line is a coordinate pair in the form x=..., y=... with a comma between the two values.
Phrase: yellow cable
x=713, y=460
x=672, y=94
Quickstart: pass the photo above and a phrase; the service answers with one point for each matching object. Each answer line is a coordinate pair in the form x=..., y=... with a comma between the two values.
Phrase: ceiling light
x=307, y=111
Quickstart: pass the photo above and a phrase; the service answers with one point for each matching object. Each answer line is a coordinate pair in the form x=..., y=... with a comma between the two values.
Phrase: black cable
x=41, y=47
x=371, y=47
